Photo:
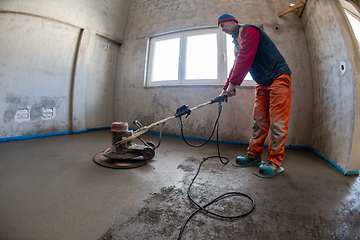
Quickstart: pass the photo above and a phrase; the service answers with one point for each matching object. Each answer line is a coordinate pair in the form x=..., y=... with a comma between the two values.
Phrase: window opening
x=192, y=57
x=355, y=24
x=166, y=60
x=201, y=57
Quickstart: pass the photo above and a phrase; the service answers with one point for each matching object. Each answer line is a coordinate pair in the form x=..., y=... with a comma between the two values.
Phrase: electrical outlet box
x=23, y=114
x=48, y=113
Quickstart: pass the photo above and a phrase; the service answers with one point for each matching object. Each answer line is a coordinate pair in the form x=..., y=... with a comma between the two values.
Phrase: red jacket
x=256, y=54
x=250, y=37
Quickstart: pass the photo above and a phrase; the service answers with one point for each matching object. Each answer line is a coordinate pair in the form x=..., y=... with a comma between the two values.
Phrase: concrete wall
x=336, y=116
x=353, y=48
x=65, y=55
x=147, y=18
x=60, y=56
x=26, y=82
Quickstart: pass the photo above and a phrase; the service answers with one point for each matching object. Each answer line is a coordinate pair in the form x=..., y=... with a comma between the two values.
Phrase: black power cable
x=216, y=126
x=219, y=197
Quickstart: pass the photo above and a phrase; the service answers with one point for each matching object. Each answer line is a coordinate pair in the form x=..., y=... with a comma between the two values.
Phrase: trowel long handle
x=135, y=135
x=143, y=130
x=161, y=121
x=201, y=105
x=173, y=116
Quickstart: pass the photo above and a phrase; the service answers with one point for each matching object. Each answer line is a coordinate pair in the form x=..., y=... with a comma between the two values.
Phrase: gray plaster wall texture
x=58, y=64
x=147, y=18
x=106, y=17
x=35, y=65
x=334, y=92
x=63, y=57
x=101, y=80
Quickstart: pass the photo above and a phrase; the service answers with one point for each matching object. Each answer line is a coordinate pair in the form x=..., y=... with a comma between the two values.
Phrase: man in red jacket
x=257, y=54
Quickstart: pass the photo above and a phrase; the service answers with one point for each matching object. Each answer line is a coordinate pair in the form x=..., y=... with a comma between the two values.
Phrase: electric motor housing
x=119, y=131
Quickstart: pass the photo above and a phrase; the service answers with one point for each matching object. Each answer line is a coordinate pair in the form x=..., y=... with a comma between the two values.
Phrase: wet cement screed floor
x=50, y=188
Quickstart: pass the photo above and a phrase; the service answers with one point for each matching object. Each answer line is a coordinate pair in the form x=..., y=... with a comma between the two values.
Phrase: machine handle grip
x=219, y=98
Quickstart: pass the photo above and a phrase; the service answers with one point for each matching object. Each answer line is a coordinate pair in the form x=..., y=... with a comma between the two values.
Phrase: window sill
x=246, y=84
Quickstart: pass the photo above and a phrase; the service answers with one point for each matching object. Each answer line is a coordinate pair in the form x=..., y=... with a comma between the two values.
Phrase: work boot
x=269, y=168
x=248, y=160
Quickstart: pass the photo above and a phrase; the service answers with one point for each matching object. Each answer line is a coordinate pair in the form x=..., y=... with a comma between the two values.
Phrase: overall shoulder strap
x=238, y=39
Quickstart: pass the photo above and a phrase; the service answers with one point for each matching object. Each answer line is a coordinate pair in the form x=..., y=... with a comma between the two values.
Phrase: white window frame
x=353, y=12
x=181, y=81
x=356, y=17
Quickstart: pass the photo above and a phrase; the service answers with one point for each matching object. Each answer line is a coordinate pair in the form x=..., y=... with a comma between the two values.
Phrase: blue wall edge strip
x=286, y=146
x=48, y=134
x=329, y=161
x=178, y=136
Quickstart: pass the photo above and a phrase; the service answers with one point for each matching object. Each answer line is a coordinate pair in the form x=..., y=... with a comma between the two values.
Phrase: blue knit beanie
x=226, y=17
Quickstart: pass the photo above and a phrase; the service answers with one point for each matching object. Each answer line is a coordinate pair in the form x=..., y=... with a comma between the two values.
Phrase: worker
x=256, y=53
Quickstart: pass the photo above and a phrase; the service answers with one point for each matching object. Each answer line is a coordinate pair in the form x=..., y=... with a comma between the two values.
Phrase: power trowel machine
x=125, y=154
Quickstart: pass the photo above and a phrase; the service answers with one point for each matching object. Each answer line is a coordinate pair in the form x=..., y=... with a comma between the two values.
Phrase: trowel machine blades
x=132, y=157
x=133, y=151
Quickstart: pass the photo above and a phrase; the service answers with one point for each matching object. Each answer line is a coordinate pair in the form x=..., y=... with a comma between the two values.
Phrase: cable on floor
x=229, y=194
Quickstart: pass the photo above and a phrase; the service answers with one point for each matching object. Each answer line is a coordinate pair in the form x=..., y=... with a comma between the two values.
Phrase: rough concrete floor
x=50, y=188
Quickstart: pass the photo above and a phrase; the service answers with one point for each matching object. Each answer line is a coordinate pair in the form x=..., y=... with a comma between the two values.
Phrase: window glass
x=355, y=24
x=166, y=60
x=191, y=57
x=201, y=57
